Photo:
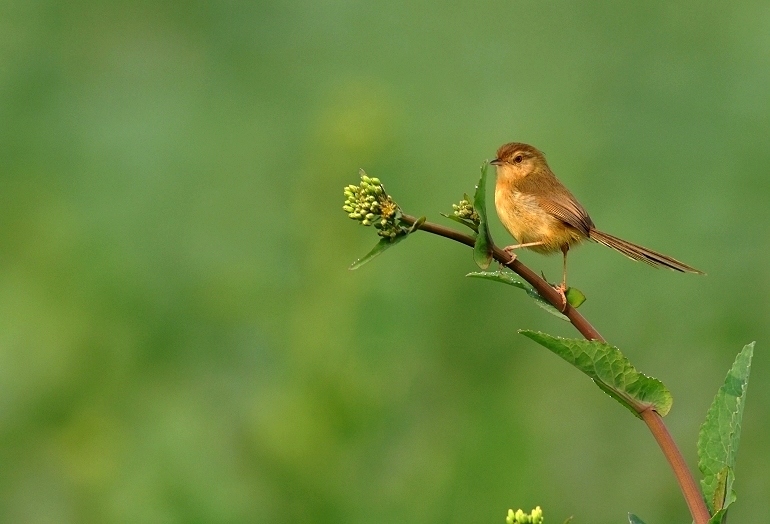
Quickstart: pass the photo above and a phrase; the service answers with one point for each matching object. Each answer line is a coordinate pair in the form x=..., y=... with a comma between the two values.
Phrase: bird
x=542, y=214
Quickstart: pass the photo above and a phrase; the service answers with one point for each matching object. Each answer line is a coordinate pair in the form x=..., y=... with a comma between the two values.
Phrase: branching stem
x=654, y=421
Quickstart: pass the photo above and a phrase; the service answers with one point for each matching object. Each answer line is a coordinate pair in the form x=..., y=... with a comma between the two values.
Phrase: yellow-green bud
x=366, y=178
x=369, y=216
x=347, y=208
x=366, y=222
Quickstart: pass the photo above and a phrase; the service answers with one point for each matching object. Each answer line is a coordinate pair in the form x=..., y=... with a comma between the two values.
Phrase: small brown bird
x=544, y=216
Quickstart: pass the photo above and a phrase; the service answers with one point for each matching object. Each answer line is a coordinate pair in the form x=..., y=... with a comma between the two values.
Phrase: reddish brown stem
x=654, y=421
x=692, y=494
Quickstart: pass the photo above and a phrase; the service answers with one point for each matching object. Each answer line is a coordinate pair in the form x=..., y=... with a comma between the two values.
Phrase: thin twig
x=654, y=421
x=542, y=287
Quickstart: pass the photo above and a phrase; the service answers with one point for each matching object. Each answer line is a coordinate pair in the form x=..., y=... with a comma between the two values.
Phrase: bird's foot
x=509, y=250
x=561, y=290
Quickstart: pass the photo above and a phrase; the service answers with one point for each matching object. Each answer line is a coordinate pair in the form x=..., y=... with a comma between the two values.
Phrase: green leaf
x=482, y=250
x=720, y=498
x=718, y=517
x=462, y=221
x=633, y=519
x=610, y=370
x=381, y=246
x=575, y=297
x=721, y=432
x=502, y=277
x=386, y=243
x=508, y=278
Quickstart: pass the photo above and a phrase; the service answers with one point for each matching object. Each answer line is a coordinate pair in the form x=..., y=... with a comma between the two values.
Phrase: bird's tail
x=636, y=252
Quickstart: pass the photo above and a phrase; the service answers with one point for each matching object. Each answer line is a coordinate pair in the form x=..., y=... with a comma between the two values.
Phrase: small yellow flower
x=369, y=204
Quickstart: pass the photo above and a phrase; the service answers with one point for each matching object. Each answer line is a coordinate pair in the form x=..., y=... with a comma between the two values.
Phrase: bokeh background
x=180, y=337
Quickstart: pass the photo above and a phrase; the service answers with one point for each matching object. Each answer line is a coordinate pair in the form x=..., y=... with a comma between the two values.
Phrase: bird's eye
x=518, y=159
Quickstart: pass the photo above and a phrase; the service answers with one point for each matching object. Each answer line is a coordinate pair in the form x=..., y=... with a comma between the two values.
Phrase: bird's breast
x=527, y=221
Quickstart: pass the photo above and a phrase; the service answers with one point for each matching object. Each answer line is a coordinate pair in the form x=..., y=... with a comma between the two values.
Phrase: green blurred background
x=181, y=340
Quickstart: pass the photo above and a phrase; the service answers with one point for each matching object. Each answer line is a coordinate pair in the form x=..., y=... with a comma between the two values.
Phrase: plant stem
x=654, y=421
x=692, y=494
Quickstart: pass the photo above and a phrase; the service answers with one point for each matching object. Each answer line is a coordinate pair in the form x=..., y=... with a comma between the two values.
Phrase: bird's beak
x=496, y=162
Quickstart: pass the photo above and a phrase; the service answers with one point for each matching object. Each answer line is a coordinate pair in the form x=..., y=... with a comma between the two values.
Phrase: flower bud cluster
x=519, y=517
x=371, y=205
x=465, y=210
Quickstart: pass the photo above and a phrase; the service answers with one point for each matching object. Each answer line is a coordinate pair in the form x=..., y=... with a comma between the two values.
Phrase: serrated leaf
x=377, y=250
x=466, y=223
x=633, y=519
x=482, y=250
x=610, y=370
x=721, y=432
x=723, y=478
x=508, y=278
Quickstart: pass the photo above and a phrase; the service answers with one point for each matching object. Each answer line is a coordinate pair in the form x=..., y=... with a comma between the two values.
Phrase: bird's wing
x=556, y=200
x=568, y=210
